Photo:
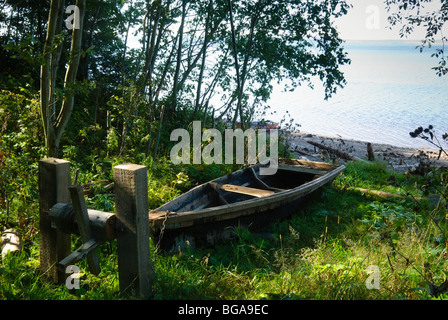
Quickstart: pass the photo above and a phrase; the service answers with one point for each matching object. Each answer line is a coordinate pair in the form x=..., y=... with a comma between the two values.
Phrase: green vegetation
x=88, y=96
x=321, y=252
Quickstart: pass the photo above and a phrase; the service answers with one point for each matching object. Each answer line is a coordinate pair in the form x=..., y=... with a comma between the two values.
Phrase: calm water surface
x=390, y=91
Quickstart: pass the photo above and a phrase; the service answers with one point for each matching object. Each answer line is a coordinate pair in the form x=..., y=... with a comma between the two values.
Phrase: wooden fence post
x=131, y=208
x=54, y=180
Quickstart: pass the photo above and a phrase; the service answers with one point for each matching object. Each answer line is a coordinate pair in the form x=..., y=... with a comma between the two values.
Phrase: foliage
x=151, y=76
x=321, y=252
x=429, y=134
x=413, y=14
x=20, y=146
x=128, y=98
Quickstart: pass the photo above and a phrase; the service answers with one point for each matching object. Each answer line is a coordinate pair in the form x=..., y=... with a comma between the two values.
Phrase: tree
x=275, y=40
x=22, y=34
x=189, y=52
x=412, y=14
x=179, y=56
x=55, y=120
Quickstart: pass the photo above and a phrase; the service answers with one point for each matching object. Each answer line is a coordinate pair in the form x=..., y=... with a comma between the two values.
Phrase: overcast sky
x=367, y=20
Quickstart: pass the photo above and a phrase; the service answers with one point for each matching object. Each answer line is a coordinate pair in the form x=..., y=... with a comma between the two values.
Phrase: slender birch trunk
x=54, y=128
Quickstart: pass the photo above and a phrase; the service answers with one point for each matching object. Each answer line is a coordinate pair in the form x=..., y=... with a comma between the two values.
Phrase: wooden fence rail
x=63, y=212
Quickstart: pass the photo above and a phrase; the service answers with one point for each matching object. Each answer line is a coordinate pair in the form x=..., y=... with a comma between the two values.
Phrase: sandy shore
x=397, y=158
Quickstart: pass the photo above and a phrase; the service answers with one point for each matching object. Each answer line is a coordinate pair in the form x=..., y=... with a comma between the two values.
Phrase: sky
x=367, y=20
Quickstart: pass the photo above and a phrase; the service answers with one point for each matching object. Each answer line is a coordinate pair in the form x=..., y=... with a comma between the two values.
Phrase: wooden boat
x=210, y=212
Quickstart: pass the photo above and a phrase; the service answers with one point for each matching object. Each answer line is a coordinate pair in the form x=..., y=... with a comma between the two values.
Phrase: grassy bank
x=322, y=252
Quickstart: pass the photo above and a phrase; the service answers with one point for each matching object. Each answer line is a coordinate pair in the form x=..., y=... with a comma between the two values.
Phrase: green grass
x=321, y=252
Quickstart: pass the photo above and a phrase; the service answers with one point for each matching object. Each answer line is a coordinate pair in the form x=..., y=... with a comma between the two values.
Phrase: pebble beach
x=398, y=159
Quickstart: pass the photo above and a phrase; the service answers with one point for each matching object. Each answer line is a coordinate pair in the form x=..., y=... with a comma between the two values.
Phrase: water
x=390, y=91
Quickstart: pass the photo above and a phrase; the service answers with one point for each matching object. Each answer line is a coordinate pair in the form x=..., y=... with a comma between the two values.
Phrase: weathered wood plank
x=131, y=208
x=339, y=153
x=258, y=193
x=85, y=250
x=54, y=179
x=200, y=202
x=102, y=223
x=302, y=169
x=310, y=164
x=382, y=194
x=82, y=218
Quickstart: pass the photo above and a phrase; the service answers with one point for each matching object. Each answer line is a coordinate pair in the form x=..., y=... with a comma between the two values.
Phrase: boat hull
x=182, y=222
x=212, y=233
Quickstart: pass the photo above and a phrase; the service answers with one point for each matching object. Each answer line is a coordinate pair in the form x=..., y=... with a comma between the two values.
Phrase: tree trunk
x=235, y=55
x=125, y=45
x=150, y=46
x=179, y=58
x=165, y=70
x=83, y=70
x=54, y=129
x=46, y=83
x=239, y=105
x=201, y=72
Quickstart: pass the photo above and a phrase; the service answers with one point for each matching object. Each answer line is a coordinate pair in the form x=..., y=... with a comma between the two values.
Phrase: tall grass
x=323, y=251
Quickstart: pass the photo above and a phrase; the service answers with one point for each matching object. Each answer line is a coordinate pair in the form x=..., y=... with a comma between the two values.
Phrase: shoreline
x=398, y=159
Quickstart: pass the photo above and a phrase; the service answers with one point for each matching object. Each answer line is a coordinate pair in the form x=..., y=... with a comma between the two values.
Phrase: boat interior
x=242, y=185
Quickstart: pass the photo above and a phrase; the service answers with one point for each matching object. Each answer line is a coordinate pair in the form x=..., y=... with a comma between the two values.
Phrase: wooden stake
x=131, y=208
x=86, y=249
x=54, y=180
x=82, y=218
x=370, y=154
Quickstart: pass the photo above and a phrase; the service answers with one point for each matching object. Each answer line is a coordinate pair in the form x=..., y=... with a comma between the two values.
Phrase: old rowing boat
x=210, y=212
